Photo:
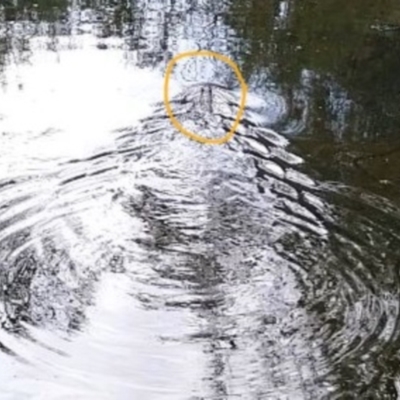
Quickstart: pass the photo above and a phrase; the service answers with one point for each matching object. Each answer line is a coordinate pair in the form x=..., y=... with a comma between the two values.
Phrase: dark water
x=136, y=263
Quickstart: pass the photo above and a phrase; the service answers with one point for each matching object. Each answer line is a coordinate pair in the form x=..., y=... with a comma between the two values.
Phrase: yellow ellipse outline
x=242, y=105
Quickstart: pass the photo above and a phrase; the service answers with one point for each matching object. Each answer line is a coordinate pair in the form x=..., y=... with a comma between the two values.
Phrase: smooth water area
x=138, y=264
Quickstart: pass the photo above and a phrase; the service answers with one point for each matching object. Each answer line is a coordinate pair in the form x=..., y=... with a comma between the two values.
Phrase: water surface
x=136, y=263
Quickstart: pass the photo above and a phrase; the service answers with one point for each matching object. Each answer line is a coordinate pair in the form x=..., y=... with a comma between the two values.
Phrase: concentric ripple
x=163, y=268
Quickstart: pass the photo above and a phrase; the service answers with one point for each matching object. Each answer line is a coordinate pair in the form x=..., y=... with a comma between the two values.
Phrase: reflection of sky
x=63, y=105
x=78, y=95
x=119, y=356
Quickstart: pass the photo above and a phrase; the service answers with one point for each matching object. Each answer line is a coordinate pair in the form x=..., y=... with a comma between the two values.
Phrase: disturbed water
x=136, y=263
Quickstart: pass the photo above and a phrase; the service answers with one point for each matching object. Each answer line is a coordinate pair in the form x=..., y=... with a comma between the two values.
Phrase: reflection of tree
x=21, y=20
x=330, y=38
x=45, y=10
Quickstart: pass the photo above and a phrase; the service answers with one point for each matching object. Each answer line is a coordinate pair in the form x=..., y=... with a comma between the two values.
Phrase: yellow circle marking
x=177, y=124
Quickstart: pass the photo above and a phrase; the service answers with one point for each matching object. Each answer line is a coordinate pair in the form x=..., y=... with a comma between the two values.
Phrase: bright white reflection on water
x=120, y=355
x=65, y=103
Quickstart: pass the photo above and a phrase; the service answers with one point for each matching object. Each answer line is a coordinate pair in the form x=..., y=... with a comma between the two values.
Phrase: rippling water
x=136, y=263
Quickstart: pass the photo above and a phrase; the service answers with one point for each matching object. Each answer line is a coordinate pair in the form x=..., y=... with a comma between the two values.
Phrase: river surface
x=136, y=263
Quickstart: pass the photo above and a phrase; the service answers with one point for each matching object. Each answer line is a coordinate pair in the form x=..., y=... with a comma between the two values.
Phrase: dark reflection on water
x=269, y=278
